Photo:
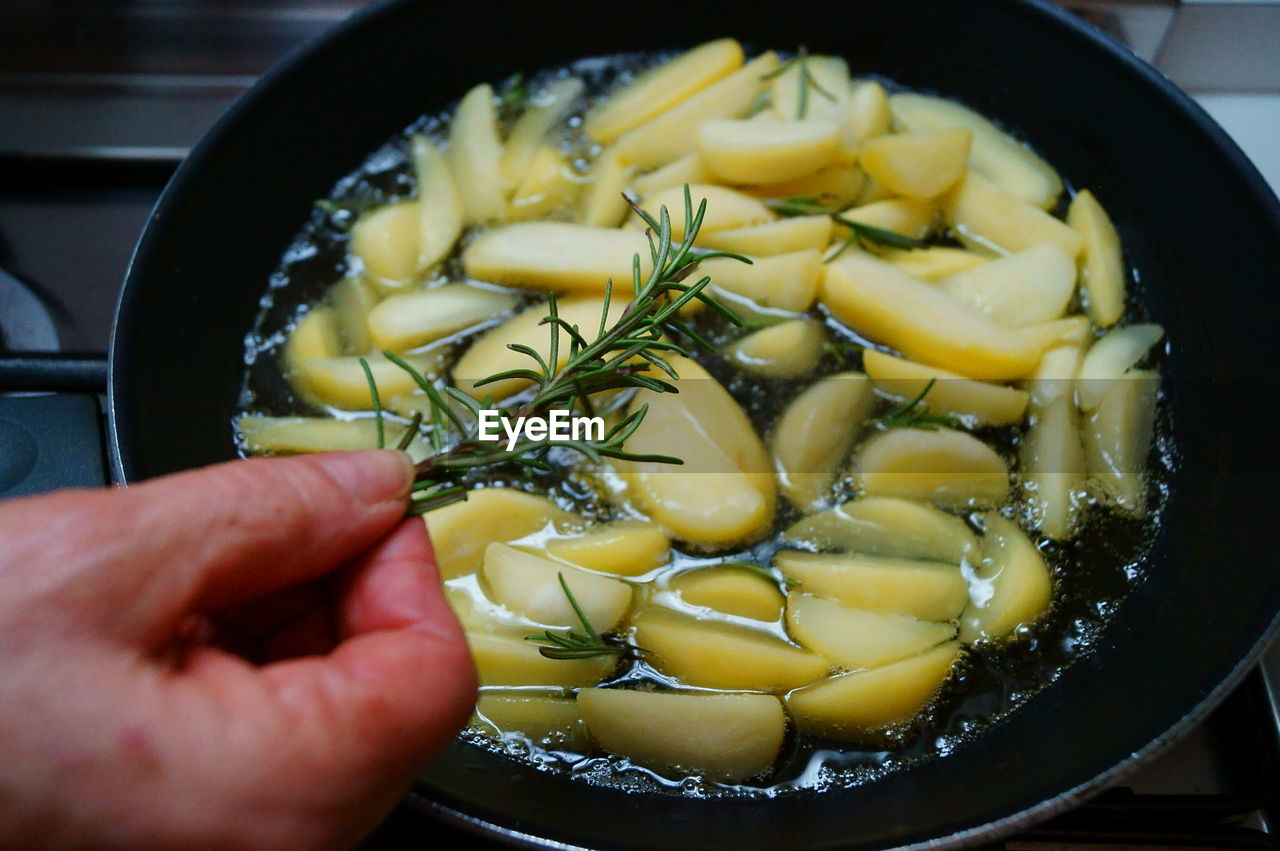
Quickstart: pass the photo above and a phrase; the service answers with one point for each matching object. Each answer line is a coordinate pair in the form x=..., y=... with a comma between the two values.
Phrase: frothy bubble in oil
x=1093, y=572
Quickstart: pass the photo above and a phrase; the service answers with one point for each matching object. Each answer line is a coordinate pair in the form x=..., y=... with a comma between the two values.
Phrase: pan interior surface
x=1194, y=219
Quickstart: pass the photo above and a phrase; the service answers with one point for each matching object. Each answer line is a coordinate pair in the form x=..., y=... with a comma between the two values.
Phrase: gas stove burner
x=25, y=323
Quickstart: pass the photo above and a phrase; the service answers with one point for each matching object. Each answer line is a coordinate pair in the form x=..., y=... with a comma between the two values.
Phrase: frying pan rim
x=1089, y=38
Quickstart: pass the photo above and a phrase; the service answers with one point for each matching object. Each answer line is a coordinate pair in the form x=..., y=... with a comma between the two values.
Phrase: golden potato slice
x=548, y=185
x=661, y=88
x=885, y=304
x=869, y=114
x=919, y=165
x=385, y=240
x=1059, y=366
x=802, y=233
x=783, y=281
x=983, y=403
x=725, y=737
x=507, y=659
x=1118, y=436
x=1110, y=358
x=546, y=721
x=934, y=262
x=408, y=320
x=625, y=548
x=689, y=169
x=738, y=151
x=1101, y=263
x=945, y=467
x=830, y=74
x=984, y=216
x=544, y=111
x=1051, y=466
x=928, y=590
x=857, y=638
x=815, y=433
x=1009, y=164
x=731, y=590
x=1031, y=287
x=726, y=209
x=530, y=585
x=440, y=213
x=790, y=349
x=724, y=494
x=722, y=655
x=602, y=204
x=293, y=435
x=851, y=705
x=558, y=256
x=342, y=383
x=474, y=155
x=673, y=134
x=1012, y=585
x=911, y=218
x=315, y=336
x=460, y=532
x=353, y=299
x=884, y=526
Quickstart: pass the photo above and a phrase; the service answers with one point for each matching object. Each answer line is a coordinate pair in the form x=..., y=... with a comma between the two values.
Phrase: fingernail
x=369, y=476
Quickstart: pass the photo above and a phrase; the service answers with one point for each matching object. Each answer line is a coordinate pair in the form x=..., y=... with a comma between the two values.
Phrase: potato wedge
x=659, y=89
x=726, y=209
x=802, y=233
x=314, y=336
x=977, y=401
x=918, y=165
x=724, y=737
x=440, y=213
x=908, y=217
x=385, y=240
x=731, y=590
x=815, y=433
x=1012, y=584
x=1031, y=287
x=548, y=185
x=408, y=320
x=841, y=184
x=986, y=217
x=783, y=281
x=738, y=151
x=722, y=655
x=624, y=548
x=869, y=114
x=1101, y=264
x=724, y=494
x=352, y=300
x=1051, y=466
x=790, y=349
x=673, y=134
x=602, y=204
x=474, y=155
x=544, y=111
x=934, y=262
x=882, y=302
x=885, y=526
x=546, y=721
x=506, y=659
x=461, y=532
x=557, y=256
x=689, y=169
x=1059, y=366
x=1110, y=358
x=999, y=157
x=927, y=590
x=1118, y=438
x=945, y=467
x=341, y=381
x=293, y=435
x=857, y=638
x=530, y=585
x=852, y=705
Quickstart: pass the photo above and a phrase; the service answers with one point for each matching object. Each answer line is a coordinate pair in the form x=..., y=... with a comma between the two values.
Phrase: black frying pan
x=1196, y=219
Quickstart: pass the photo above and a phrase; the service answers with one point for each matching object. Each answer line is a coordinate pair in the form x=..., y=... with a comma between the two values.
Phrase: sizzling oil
x=1093, y=572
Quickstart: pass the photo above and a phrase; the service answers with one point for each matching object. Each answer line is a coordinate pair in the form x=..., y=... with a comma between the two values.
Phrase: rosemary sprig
x=575, y=645
x=915, y=414
x=770, y=573
x=862, y=234
x=806, y=80
x=842, y=350
x=631, y=354
x=377, y=403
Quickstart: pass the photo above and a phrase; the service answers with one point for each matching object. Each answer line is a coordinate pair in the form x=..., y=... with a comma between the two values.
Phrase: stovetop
x=100, y=101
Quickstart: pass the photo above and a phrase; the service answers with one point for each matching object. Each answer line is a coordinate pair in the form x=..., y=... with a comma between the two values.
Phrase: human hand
x=127, y=722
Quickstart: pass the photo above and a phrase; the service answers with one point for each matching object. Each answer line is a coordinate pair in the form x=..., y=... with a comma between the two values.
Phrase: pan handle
x=57, y=372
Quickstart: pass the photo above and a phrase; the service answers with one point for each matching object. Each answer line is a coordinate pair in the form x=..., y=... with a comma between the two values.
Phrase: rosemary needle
x=805, y=80
x=574, y=645
x=811, y=205
x=377, y=403
x=915, y=414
